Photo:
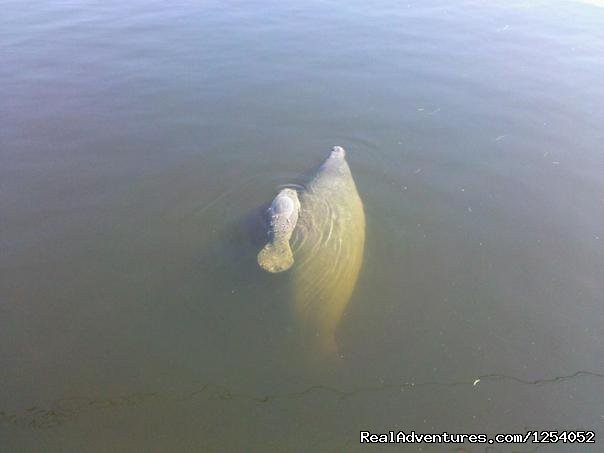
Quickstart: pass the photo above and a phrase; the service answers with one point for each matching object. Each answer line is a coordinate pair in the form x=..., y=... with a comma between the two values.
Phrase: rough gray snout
x=338, y=151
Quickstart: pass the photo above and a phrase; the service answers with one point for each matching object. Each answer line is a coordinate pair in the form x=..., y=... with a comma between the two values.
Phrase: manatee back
x=329, y=250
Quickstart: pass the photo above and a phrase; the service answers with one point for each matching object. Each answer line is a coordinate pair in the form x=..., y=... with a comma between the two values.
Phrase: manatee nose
x=338, y=151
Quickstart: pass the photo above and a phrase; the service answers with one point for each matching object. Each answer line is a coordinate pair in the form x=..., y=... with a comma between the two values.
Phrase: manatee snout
x=276, y=255
x=338, y=152
x=275, y=259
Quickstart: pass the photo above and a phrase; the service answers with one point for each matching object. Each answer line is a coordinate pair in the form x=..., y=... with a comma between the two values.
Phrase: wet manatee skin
x=328, y=244
x=276, y=255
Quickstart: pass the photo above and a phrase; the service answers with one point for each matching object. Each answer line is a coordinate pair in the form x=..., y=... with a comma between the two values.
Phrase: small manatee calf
x=277, y=256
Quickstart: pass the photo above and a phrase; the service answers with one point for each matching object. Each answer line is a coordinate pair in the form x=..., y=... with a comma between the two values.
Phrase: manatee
x=328, y=243
x=277, y=256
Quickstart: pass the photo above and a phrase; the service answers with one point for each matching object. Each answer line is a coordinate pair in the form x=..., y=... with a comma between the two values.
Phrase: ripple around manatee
x=316, y=228
x=291, y=185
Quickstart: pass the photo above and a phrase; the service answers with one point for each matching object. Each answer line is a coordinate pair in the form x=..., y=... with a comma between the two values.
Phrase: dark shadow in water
x=255, y=223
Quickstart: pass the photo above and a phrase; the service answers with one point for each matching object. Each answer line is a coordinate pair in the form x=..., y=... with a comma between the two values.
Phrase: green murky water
x=139, y=142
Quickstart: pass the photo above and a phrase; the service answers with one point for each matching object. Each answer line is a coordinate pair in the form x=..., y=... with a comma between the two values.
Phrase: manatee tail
x=276, y=257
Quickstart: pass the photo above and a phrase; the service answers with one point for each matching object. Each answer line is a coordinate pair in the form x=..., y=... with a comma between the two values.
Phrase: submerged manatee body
x=330, y=238
x=277, y=256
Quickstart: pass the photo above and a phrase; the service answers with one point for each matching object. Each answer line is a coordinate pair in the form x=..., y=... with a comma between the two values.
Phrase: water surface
x=138, y=141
